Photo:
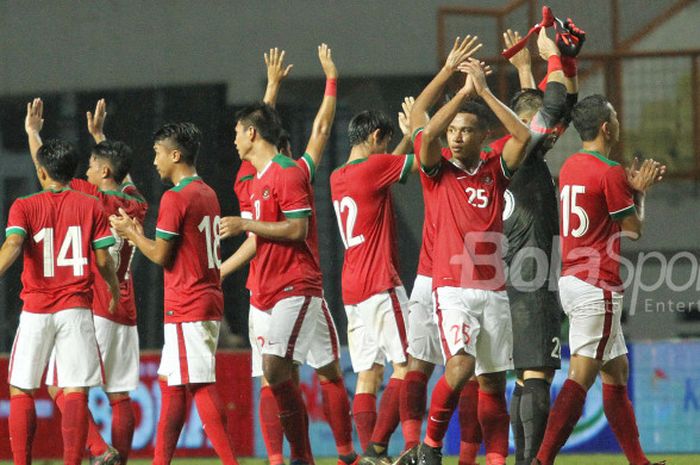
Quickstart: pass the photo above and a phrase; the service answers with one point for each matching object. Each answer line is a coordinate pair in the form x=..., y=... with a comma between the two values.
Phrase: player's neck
x=50, y=184
x=359, y=152
x=181, y=172
x=597, y=145
x=468, y=161
x=108, y=184
x=261, y=156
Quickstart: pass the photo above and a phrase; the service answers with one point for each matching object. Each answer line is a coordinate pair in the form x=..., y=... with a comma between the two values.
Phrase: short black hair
x=117, y=154
x=59, y=158
x=483, y=116
x=264, y=119
x=527, y=101
x=283, y=141
x=589, y=115
x=186, y=137
x=365, y=123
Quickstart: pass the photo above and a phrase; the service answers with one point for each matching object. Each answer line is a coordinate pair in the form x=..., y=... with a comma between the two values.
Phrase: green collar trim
x=600, y=157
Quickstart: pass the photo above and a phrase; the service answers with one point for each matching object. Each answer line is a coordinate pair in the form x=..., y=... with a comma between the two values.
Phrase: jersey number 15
x=569, y=208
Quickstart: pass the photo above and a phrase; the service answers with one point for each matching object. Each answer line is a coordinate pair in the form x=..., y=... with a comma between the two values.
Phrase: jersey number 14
x=71, y=245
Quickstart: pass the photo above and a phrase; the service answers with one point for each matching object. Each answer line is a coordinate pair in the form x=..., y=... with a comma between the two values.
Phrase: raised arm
x=406, y=145
x=461, y=50
x=521, y=60
x=10, y=252
x=96, y=121
x=514, y=150
x=239, y=259
x=323, y=122
x=33, y=123
x=276, y=72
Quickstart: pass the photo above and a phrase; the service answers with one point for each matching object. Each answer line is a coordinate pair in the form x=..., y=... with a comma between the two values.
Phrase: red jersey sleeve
x=17, y=222
x=390, y=169
x=307, y=165
x=170, y=217
x=101, y=233
x=293, y=193
x=618, y=194
x=82, y=185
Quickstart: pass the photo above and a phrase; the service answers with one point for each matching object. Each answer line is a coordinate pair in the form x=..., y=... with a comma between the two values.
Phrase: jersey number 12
x=347, y=203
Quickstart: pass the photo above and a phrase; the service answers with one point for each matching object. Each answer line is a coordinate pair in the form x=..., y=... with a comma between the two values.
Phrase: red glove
x=569, y=38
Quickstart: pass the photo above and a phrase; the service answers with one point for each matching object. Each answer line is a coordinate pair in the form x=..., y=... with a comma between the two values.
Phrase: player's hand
x=476, y=76
x=96, y=121
x=570, y=38
x=230, y=226
x=34, y=120
x=641, y=178
x=405, y=115
x=520, y=59
x=546, y=46
x=276, y=71
x=461, y=51
x=124, y=225
x=326, y=59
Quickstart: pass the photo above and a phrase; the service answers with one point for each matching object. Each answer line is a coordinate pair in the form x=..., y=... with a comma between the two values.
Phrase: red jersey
x=60, y=229
x=365, y=214
x=285, y=268
x=425, y=259
x=122, y=252
x=190, y=214
x=594, y=194
x=470, y=221
x=244, y=179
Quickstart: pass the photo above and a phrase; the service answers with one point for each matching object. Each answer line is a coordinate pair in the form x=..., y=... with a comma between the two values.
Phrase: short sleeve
x=17, y=220
x=293, y=193
x=242, y=190
x=85, y=187
x=390, y=169
x=170, y=217
x=306, y=163
x=618, y=194
x=129, y=188
x=417, y=138
x=102, y=236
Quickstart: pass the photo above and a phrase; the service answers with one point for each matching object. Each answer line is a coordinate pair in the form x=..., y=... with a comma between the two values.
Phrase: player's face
x=94, y=171
x=242, y=141
x=614, y=126
x=163, y=160
x=464, y=135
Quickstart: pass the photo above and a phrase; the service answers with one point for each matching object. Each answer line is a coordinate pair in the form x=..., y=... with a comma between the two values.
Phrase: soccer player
x=187, y=246
x=374, y=297
x=468, y=279
x=599, y=203
x=116, y=333
x=54, y=230
x=530, y=222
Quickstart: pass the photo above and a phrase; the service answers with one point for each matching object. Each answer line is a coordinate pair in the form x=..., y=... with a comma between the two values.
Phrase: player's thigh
x=258, y=324
x=32, y=345
x=536, y=321
x=390, y=324
x=119, y=347
x=458, y=312
x=292, y=324
x=324, y=347
x=494, y=346
x=362, y=345
x=78, y=361
x=189, y=352
x=595, y=329
x=423, y=335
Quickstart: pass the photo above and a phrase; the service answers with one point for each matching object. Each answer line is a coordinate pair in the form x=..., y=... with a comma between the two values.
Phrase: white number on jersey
x=569, y=207
x=71, y=245
x=213, y=243
x=477, y=197
x=347, y=203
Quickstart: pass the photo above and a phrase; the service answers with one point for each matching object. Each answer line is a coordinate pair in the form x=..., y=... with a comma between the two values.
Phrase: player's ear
x=252, y=133
x=106, y=171
x=176, y=156
x=375, y=137
x=605, y=129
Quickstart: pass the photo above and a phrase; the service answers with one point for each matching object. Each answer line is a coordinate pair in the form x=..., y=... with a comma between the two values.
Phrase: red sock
x=74, y=427
x=292, y=417
x=442, y=405
x=271, y=427
x=364, y=410
x=122, y=427
x=172, y=417
x=618, y=410
x=388, y=413
x=336, y=408
x=95, y=443
x=563, y=416
x=22, y=425
x=495, y=424
x=469, y=427
x=211, y=411
x=412, y=406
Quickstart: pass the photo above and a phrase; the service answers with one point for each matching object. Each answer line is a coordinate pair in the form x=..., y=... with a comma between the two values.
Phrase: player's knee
x=421, y=365
x=276, y=369
x=492, y=382
x=15, y=391
x=459, y=369
x=330, y=372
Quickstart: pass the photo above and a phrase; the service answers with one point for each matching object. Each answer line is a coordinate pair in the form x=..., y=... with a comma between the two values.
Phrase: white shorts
x=119, y=350
x=594, y=319
x=298, y=328
x=377, y=329
x=71, y=333
x=478, y=322
x=423, y=334
x=189, y=352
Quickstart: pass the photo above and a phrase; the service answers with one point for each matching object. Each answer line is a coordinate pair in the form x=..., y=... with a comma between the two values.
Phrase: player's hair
x=483, y=117
x=264, y=119
x=527, y=101
x=186, y=137
x=283, y=141
x=365, y=123
x=589, y=114
x=117, y=154
x=59, y=158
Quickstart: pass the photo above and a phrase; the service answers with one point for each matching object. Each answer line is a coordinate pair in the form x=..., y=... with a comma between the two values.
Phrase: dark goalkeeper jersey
x=531, y=214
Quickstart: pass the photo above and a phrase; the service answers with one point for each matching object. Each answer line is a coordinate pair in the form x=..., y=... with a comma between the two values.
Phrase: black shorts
x=536, y=317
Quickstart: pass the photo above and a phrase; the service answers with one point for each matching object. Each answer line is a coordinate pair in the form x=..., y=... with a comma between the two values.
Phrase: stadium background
x=164, y=61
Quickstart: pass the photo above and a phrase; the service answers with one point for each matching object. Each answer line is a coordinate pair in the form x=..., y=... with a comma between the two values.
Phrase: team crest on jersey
x=487, y=179
x=266, y=193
